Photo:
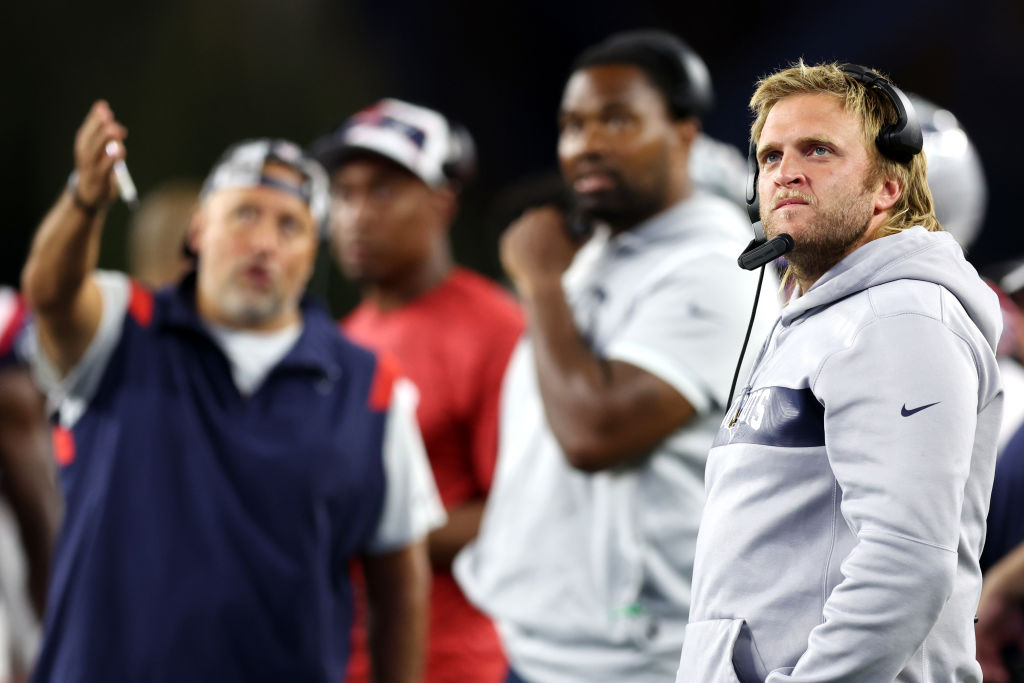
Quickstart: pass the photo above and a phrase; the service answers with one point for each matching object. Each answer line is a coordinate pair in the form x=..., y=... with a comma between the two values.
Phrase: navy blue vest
x=207, y=535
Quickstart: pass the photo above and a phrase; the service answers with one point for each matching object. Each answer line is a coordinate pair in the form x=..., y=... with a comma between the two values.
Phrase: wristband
x=89, y=210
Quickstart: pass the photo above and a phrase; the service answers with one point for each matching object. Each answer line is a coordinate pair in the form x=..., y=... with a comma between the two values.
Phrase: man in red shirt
x=396, y=170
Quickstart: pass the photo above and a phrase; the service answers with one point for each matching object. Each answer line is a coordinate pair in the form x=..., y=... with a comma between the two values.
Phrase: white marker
x=124, y=179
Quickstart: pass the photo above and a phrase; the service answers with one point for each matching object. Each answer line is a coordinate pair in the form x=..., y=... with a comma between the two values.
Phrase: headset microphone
x=760, y=252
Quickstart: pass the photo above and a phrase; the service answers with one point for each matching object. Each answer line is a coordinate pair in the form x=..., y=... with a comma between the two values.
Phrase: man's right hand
x=57, y=281
x=99, y=143
x=536, y=250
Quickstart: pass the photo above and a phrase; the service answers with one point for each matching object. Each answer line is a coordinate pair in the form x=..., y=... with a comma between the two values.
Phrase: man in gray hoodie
x=848, y=486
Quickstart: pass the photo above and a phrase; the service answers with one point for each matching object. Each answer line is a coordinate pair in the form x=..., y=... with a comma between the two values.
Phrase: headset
x=689, y=91
x=898, y=141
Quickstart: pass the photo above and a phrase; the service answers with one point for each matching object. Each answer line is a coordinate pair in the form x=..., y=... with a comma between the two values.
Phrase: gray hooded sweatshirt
x=848, y=486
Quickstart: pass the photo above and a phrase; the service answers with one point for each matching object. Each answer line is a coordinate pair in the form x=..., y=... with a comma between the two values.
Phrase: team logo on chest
x=775, y=416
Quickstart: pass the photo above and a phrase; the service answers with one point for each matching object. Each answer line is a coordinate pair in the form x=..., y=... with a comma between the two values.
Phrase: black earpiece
x=898, y=141
x=761, y=250
x=753, y=202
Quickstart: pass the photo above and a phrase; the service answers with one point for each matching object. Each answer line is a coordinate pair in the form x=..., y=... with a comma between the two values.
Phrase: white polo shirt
x=588, y=575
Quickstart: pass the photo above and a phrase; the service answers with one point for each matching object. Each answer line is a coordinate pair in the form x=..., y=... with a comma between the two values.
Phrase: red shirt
x=453, y=342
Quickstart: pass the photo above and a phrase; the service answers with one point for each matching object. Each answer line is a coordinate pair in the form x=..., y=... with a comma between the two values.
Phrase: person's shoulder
x=469, y=283
x=705, y=224
x=699, y=238
x=375, y=370
x=335, y=341
x=704, y=206
x=914, y=297
x=359, y=312
x=472, y=295
x=889, y=303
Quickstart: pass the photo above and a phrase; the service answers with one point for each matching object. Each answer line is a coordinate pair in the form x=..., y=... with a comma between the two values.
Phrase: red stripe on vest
x=140, y=306
x=63, y=445
x=384, y=376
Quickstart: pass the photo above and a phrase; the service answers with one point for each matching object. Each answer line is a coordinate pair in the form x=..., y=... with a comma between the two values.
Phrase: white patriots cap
x=419, y=139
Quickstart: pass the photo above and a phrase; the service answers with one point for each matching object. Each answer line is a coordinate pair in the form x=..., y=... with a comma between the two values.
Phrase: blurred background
x=190, y=77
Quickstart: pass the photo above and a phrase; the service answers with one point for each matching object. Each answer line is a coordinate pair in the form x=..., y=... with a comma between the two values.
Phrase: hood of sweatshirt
x=913, y=254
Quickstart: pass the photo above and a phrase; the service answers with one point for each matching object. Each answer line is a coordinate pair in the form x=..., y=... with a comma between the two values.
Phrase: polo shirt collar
x=312, y=350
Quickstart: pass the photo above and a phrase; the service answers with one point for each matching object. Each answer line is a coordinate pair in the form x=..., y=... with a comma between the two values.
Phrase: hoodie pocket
x=719, y=651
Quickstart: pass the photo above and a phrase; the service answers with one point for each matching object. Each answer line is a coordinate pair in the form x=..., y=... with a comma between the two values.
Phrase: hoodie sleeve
x=901, y=404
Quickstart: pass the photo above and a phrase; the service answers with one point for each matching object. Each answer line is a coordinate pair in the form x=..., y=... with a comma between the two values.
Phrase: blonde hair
x=875, y=110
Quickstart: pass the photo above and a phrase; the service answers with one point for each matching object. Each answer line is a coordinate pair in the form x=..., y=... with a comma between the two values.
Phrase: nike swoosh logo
x=907, y=413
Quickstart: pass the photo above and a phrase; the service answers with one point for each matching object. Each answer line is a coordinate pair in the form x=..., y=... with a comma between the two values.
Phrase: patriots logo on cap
x=376, y=116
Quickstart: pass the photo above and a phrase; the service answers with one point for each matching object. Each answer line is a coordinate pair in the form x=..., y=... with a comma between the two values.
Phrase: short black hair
x=673, y=68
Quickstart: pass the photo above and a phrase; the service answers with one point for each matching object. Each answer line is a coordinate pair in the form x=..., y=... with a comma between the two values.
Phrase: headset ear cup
x=752, y=174
x=888, y=141
x=902, y=140
x=899, y=141
x=754, y=212
x=753, y=201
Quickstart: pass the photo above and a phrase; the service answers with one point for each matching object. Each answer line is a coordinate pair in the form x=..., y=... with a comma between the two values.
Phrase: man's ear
x=888, y=193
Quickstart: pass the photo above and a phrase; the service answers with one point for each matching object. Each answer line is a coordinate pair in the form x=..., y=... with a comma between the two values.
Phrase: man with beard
x=858, y=460
x=610, y=404
x=223, y=450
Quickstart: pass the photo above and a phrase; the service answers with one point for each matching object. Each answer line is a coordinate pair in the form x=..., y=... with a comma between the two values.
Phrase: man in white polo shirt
x=611, y=402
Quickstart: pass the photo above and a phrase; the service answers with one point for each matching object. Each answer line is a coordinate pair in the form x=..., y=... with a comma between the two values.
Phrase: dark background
x=189, y=78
